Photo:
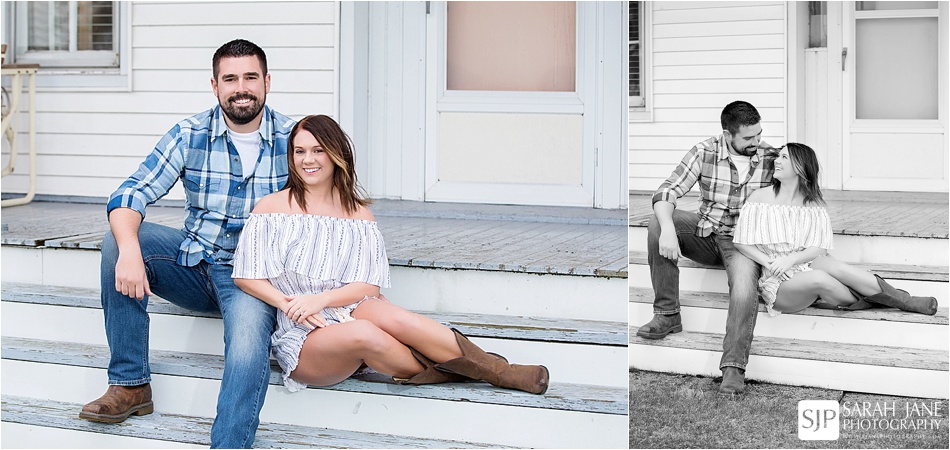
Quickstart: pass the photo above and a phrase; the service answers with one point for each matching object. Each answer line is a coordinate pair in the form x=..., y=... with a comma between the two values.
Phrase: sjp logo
x=818, y=420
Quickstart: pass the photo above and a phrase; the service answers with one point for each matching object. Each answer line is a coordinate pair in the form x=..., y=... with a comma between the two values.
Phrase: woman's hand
x=779, y=266
x=306, y=310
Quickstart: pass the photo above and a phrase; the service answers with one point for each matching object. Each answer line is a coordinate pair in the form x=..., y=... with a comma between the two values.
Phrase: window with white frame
x=635, y=45
x=67, y=34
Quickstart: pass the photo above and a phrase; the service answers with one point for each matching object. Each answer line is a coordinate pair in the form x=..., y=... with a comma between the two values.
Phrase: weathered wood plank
x=888, y=271
x=721, y=301
x=560, y=396
x=476, y=325
x=197, y=430
x=910, y=358
x=896, y=214
x=560, y=241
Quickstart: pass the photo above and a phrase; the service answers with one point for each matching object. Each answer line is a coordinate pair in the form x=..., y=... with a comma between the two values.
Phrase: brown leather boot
x=118, y=403
x=733, y=381
x=475, y=363
x=429, y=375
x=901, y=299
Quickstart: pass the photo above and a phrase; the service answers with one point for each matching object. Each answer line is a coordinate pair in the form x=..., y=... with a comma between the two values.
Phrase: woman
x=313, y=251
x=787, y=231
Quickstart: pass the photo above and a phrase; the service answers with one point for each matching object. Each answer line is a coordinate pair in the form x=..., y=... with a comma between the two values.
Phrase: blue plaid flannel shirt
x=218, y=199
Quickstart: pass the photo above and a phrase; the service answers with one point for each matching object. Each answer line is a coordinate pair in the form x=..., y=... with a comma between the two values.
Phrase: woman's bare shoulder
x=363, y=213
x=273, y=203
x=763, y=195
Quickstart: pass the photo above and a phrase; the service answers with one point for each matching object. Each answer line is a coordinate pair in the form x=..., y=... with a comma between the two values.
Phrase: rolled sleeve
x=153, y=178
x=682, y=179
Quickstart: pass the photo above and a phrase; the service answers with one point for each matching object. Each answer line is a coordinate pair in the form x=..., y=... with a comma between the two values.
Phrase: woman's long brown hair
x=339, y=148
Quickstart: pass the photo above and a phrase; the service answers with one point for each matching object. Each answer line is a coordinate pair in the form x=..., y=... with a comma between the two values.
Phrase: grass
x=684, y=411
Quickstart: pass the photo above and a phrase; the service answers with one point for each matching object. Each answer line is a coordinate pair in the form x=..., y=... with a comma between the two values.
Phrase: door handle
x=844, y=56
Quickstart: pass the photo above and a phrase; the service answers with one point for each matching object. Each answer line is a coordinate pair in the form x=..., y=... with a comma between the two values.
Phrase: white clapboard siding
x=198, y=81
x=742, y=71
x=705, y=55
x=179, y=104
x=278, y=58
x=213, y=34
x=74, y=125
x=214, y=13
x=88, y=141
x=715, y=12
x=699, y=114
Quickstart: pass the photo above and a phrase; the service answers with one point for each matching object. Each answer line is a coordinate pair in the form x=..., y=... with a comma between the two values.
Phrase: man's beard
x=240, y=115
x=744, y=151
x=747, y=151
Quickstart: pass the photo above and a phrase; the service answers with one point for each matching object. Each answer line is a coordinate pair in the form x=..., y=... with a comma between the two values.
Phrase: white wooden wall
x=704, y=56
x=88, y=142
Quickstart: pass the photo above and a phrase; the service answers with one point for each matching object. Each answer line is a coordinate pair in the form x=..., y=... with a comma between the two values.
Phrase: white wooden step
x=188, y=383
x=917, y=279
x=706, y=312
x=850, y=367
x=38, y=423
x=496, y=292
x=75, y=315
x=909, y=250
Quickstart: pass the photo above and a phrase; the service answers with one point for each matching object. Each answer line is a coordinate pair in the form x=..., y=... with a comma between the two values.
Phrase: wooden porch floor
x=542, y=240
x=865, y=213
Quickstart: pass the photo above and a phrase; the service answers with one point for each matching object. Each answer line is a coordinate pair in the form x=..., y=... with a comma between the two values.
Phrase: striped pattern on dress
x=307, y=254
x=779, y=230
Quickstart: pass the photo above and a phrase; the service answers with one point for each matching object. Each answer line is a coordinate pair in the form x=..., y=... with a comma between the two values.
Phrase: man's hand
x=130, y=277
x=669, y=245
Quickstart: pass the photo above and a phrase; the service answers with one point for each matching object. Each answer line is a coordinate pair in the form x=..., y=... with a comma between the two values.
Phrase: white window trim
x=53, y=79
x=644, y=111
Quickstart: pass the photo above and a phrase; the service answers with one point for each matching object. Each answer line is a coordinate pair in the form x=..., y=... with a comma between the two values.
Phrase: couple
x=772, y=242
x=310, y=259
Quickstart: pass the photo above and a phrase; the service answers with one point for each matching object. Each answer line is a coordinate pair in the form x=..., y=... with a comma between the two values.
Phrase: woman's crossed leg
x=333, y=353
x=804, y=288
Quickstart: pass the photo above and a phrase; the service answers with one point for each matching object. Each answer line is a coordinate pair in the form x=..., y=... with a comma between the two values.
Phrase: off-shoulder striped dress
x=307, y=254
x=779, y=230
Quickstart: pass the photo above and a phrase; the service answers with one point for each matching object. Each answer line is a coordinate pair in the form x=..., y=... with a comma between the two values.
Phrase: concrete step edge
x=693, y=299
x=920, y=359
x=196, y=430
x=570, y=331
x=887, y=271
x=560, y=396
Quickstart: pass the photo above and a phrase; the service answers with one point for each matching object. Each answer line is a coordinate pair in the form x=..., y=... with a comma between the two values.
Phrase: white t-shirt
x=248, y=145
x=742, y=164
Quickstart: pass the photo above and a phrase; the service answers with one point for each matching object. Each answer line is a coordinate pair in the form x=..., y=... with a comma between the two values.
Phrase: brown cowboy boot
x=429, y=375
x=118, y=403
x=475, y=363
x=901, y=299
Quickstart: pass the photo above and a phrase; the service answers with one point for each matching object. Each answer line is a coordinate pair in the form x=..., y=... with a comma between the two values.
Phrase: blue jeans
x=713, y=250
x=248, y=324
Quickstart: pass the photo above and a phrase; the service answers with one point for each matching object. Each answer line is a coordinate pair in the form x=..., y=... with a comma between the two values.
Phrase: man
x=728, y=168
x=227, y=158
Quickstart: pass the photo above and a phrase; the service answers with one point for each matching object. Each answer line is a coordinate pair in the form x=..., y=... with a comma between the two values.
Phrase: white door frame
x=850, y=124
x=388, y=96
x=600, y=186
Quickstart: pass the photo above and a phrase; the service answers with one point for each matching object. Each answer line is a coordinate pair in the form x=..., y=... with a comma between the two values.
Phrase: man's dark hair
x=739, y=113
x=236, y=49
